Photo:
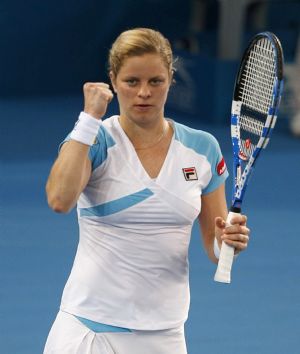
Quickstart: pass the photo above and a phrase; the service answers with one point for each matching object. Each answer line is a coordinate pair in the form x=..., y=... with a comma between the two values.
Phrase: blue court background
x=40, y=100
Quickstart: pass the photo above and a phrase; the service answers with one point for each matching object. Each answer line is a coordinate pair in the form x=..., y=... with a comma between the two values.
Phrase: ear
x=113, y=80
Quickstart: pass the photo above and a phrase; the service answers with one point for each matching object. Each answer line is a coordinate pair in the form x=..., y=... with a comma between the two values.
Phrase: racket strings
x=257, y=80
x=256, y=94
x=251, y=125
x=250, y=134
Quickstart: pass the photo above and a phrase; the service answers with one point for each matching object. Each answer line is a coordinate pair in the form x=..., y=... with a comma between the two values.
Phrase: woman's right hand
x=97, y=96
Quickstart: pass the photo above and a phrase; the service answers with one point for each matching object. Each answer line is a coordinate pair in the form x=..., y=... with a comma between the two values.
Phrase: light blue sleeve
x=218, y=166
x=98, y=151
x=206, y=145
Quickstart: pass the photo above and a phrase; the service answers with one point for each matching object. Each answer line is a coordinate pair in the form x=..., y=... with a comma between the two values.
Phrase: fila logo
x=190, y=173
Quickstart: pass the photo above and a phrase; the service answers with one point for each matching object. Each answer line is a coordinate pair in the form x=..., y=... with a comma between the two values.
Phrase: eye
x=156, y=81
x=131, y=82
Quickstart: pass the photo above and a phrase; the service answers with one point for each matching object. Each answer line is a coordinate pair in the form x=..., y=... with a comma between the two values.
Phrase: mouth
x=143, y=107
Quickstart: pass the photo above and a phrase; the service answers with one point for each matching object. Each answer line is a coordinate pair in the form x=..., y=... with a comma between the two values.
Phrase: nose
x=144, y=91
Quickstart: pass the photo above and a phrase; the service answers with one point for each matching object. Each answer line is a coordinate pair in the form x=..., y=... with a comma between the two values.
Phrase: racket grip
x=223, y=273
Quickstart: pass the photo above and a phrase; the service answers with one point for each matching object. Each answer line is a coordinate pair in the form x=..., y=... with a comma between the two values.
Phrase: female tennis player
x=139, y=180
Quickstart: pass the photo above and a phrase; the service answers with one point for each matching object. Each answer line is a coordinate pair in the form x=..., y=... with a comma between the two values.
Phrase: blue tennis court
x=258, y=313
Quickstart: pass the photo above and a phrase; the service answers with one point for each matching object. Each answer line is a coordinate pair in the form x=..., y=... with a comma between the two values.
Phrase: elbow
x=58, y=204
x=59, y=207
x=214, y=260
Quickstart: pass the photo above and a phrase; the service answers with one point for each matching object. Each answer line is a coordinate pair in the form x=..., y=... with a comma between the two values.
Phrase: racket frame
x=242, y=175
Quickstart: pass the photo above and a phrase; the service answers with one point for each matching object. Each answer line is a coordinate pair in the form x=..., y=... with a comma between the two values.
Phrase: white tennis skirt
x=69, y=336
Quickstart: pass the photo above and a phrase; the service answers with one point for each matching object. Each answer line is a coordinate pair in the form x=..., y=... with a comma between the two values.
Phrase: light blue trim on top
x=215, y=182
x=101, y=327
x=98, y=151
x=201, y=142
x=204, y=144
x=116, y=205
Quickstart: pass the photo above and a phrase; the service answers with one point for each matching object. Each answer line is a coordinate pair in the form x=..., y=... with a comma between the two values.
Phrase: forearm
x=72, y=170
x=209, y=246
x=68, y=176
x=213, y=207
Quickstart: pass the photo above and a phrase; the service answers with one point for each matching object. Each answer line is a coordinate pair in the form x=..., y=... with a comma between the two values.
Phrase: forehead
x=151, y=64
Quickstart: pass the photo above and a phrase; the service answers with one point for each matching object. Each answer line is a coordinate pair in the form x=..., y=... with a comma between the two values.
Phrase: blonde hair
x=136, y=42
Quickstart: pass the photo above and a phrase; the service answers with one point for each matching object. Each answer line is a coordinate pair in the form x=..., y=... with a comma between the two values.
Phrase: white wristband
x=85, y=129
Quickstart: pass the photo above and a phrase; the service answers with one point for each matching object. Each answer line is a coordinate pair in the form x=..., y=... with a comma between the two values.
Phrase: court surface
x=258, y=313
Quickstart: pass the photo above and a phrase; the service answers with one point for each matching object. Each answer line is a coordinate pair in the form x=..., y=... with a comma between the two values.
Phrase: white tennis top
x=131, y=266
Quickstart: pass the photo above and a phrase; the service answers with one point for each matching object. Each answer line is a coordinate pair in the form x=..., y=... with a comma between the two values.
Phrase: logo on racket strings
x=248, y=143
x=243, y=156
x=190, y=174
x=221, y=167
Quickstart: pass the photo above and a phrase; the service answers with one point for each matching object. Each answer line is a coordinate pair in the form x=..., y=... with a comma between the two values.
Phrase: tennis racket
x=256, y=99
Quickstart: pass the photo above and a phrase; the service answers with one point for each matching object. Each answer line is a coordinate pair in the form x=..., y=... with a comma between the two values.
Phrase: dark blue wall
x=54, y=46
x=50, y=48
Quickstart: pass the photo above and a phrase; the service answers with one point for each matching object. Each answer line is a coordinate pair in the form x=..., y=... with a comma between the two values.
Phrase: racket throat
x=236, y=209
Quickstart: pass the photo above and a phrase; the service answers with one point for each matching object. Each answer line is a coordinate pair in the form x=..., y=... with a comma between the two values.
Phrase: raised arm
x=68, y=177
x=72, y=169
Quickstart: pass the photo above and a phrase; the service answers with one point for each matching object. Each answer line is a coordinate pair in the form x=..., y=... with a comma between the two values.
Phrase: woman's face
x=142, y=86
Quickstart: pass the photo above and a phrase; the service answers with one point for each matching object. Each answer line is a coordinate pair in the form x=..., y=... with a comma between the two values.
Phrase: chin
x=144, y=118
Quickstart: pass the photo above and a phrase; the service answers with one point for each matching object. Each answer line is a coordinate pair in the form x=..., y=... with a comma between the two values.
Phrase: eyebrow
x=137, y=78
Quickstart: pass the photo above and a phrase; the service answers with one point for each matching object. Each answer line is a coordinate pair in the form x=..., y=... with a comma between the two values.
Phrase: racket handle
x=223, y=273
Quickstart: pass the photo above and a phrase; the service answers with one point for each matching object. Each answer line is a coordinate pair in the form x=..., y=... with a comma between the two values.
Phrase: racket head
x=256, y=98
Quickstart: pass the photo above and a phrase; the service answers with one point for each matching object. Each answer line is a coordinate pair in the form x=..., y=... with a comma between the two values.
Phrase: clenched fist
x=97, y=96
